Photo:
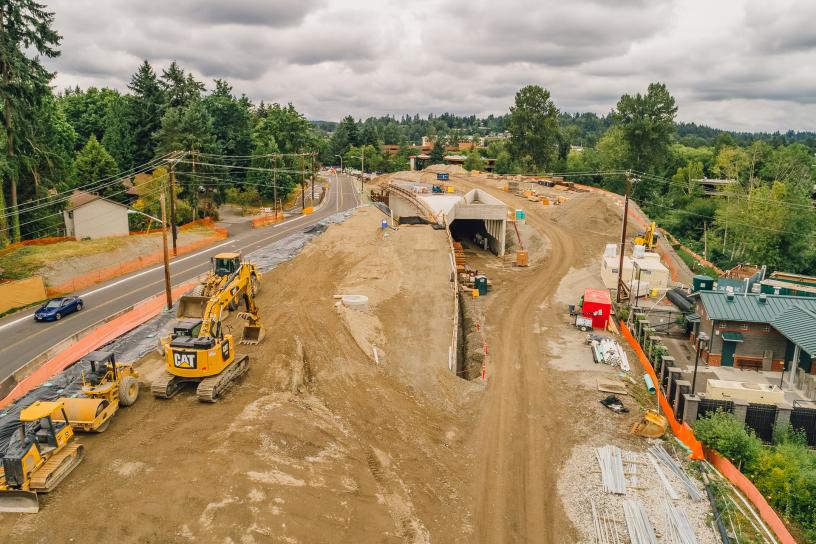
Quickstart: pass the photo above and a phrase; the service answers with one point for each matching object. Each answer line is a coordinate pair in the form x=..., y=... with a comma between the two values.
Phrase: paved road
x=22, y=339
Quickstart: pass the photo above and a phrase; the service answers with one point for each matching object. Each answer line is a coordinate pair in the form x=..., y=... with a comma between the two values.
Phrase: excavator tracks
x=57, y=468
x=166, y=386
x=210, y=389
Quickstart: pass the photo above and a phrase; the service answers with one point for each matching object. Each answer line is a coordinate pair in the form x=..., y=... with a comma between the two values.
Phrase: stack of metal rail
x=610, y=460
x=663, y=456
x=637, y=523
x=678, y=528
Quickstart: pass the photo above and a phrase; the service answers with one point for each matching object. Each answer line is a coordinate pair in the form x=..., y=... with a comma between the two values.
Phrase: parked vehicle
x=57, y=308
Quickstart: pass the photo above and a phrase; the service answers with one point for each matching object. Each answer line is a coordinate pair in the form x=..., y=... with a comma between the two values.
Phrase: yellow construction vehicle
x=198, y=351
x=40, y=454
x=228, y=278
x=107, y=386
x=648, y=238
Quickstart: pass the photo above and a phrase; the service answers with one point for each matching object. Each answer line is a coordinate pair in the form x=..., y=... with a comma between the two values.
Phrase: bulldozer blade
x=24, y=502
x=192, y=307
x=252, y=334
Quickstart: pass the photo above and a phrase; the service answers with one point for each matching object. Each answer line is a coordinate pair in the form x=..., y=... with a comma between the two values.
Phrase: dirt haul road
x=319, y=443
x=532, y=413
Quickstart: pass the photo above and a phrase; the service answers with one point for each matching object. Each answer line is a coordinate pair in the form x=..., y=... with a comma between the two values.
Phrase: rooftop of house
x=81, y=198
x=752, y=308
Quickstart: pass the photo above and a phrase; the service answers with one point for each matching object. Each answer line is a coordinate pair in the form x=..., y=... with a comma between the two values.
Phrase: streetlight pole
x=341, y=162
x=701, y=339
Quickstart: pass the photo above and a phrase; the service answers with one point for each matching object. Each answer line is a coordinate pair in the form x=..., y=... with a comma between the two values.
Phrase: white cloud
x=743, y=64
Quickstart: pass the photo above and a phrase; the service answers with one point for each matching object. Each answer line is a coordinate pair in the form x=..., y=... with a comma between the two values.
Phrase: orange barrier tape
x=103, y=334
x=766, y=511
x=681, y=430
x=98, y=276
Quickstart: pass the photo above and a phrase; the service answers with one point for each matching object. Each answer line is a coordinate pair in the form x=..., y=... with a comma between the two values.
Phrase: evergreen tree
x=264, y=146
x=345, y=136
x=146, y=110
x=25, y=35
x=94, y=164
x=533, y=126
x=437, y=152
x=232, y=120
x=179, y=88
x=118, y=138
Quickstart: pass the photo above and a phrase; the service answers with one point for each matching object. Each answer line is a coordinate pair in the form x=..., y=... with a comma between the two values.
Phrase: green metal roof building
x=760, y=331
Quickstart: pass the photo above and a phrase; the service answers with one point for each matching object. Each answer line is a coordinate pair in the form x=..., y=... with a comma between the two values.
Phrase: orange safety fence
x=104, y=274
x=681, y=430
x=101, y=335
x=766, y=511
x=266, y=220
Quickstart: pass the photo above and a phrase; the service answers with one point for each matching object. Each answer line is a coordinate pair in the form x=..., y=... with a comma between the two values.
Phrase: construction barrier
x=681, y=430
x=97, y=336
x=16, y=294
x=266, y=220
x=98, y=276
x=741, y=482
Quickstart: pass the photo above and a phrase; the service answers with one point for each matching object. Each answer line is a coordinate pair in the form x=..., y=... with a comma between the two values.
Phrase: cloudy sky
x=737, y=64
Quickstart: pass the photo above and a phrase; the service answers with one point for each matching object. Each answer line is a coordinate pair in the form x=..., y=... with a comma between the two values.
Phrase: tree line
x=93, y=138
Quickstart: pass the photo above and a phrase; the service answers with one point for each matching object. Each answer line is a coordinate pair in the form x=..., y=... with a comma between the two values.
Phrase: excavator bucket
x=252, y=334
x=652, y=425
x=25, y=502
x=192, y=307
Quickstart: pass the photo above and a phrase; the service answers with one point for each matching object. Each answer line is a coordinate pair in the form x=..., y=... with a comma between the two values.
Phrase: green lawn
x=695, y=266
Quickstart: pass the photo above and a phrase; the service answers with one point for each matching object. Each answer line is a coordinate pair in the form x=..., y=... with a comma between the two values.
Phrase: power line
x=52, y=200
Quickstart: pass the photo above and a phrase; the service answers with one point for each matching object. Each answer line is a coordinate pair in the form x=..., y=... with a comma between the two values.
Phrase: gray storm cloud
x=741, y=64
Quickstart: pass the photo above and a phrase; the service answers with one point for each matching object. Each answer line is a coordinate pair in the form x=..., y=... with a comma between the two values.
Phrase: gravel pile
x=580, y=482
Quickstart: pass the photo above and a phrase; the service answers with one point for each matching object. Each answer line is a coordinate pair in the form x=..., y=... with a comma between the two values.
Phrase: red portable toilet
x=597, y=306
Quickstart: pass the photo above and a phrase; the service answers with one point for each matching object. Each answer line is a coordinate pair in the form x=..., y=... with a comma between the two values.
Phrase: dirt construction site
x=350, y=425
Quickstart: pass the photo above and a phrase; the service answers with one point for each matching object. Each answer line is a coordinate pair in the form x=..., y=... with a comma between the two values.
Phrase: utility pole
x=618, y=296
x=362, y=170
x=705, y=240
x=167, y=289
x=173, y=201
x=302, y=185
x=275, y=184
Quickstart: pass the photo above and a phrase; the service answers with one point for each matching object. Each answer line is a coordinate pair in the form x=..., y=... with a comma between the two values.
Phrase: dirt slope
x=317, y=444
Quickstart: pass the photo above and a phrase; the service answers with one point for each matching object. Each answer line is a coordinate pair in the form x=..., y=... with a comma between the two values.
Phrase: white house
x=92, y=216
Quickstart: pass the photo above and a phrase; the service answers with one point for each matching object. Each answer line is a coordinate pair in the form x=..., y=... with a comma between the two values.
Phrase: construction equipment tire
x=128, y=391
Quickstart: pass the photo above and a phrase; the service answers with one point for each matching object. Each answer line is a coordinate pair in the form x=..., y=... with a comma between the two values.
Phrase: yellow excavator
x=40, y=454
x=106, y=387
x=199, y=351
x=648, y=238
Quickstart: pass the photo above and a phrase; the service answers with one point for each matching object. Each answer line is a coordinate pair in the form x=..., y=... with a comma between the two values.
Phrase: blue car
x=57, y=308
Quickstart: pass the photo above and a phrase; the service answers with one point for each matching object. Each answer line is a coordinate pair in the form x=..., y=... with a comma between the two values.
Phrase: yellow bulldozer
x=199, y=351
x=40, y=454
x=106, y=387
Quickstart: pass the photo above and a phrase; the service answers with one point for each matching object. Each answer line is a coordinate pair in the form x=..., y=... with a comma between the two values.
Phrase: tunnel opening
x=472, y=233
